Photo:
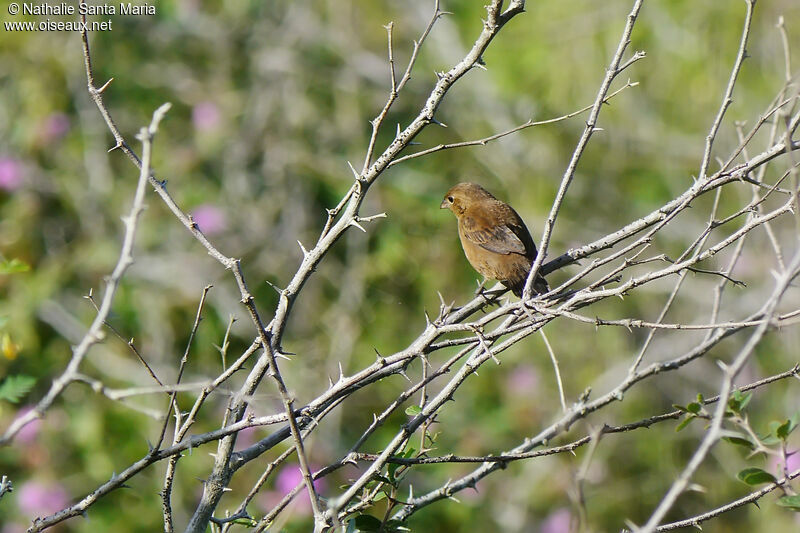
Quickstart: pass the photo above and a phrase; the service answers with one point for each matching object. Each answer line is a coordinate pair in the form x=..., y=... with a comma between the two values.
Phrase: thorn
x=277, y=289
x=425, y=360
x=115, y=147
x=351, y=458
x=303, y=248
x=102, y=89
x=355, y=172
x=355, y=223
x=442, y=124
x=372, y=217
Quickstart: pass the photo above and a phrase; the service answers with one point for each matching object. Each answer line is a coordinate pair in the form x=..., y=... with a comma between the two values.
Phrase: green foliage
x=270, y=102
x=738, y=401
x=14, y=388
x=755, y=476
x=790, y=502
x=13, y=266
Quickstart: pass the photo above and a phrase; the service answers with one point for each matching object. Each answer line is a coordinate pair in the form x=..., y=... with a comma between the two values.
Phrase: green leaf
x=744, y=399
x=784, y=430
x=700, y=398
x=790, y=502
x=383, y=479
x=395, y=526
x=13, y=266
x=738, y=401
x=413, y=410
x=755, y=476
x=680, y=408
x=685, y=422
x=739, y=441
x=694, y=408
x=367, y=522
x=391, y=469
x=14, y=388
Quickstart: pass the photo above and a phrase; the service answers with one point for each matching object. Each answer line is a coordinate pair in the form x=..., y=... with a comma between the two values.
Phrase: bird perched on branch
x=494, y=237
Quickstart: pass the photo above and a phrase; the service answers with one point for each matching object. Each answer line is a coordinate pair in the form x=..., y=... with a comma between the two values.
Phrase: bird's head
x=460, y=196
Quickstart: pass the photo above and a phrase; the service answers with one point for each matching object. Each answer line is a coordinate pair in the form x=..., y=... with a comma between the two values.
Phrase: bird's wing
x=498, y=238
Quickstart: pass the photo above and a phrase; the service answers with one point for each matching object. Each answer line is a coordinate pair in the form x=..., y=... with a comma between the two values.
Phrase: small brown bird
x=494, y=237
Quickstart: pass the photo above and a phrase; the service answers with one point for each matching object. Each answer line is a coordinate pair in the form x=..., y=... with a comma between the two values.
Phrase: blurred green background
x=270, y=102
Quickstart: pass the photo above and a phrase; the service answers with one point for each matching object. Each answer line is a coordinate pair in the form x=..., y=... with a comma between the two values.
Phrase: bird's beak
x=444, y=204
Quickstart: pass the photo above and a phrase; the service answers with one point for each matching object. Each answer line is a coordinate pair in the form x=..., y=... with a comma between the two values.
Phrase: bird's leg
x=490, y=296
x=481, y=287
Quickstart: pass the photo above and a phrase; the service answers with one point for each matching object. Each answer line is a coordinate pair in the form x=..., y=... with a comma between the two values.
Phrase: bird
x=494, y=237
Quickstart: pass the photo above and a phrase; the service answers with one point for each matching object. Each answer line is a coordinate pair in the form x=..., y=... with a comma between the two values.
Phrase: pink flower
x=10, y=173
x=288, y=478
x=54, y=127
x=205, y=116
x=210, y=219
x=30, y=430
x=39, y=499
x=523, y=379
x=557, y=522
x=792, y=462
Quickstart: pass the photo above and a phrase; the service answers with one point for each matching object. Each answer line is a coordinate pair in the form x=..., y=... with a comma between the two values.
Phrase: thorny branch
x=618, y=267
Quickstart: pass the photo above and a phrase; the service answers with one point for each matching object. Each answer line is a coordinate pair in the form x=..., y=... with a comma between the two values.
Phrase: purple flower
x=54, y=127
x=288, y=478
x=291, y=476
x=557, y=522
x=205, y=116
x=792, y=462
x=210, y=219
x=10, y=173
x=30, y=430
x=523, y=380
x=38, y=499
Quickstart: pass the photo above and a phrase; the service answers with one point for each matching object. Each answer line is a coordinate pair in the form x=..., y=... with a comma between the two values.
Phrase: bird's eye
x=450, y=199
